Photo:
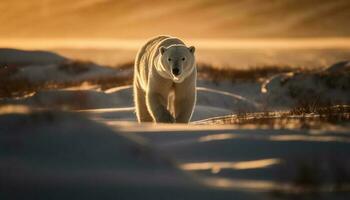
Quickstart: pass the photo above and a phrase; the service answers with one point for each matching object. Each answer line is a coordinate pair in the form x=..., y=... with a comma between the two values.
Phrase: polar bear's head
x=177, y=61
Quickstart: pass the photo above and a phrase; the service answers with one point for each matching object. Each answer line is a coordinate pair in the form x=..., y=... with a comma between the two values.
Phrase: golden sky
x=184, y=18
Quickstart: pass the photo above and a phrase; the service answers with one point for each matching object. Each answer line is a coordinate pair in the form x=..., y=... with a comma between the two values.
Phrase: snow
x=83, y=142
x=330, y=86
x=59, y=155
x=62, y=152
x=53, y=73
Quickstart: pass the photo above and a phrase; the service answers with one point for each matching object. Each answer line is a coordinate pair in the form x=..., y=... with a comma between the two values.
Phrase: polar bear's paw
x=166, y=118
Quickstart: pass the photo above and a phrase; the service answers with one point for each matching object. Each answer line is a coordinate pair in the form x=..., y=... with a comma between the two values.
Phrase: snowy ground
x=81, y=140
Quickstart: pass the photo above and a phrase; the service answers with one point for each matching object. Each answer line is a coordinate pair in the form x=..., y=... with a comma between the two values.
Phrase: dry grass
x=75, y=67
x=125, y=66
x=298, y=117
x=235, y=74
x=214, y=73
x=16, y=88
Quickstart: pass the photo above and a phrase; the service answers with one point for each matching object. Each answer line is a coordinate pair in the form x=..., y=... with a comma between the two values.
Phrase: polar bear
x=165, y=81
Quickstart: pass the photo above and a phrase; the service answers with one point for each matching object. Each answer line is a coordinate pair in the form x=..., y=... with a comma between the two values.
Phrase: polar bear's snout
x=176, y=68
x=176, y=71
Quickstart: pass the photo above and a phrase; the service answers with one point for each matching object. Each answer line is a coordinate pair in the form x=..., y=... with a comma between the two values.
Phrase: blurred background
x=188, y=19
x=119, y=27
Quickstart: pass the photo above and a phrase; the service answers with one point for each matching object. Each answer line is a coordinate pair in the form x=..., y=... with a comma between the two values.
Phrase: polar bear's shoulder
x=151, y=45
x=163, y=40
x=156, y=40
x=169, y=41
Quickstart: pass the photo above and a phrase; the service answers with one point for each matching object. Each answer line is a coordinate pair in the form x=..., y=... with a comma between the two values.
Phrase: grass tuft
x=301, y=116
x=75, y=67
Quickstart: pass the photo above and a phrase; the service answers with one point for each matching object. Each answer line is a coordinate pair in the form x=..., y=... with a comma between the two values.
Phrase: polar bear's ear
x=162, y=49
x=192, y=49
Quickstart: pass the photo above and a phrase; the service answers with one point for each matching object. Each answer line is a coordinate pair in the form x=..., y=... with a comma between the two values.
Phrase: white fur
x=160, y=94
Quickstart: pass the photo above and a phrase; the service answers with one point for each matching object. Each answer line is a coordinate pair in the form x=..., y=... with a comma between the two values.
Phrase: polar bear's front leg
x=156, y=104
x=142, y=113
x=185, y=100
x=184, y=107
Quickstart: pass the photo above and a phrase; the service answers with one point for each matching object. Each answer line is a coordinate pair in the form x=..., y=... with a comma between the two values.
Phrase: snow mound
x=56, y=155
x=15, y=57
x=76, y=98
x=330, y=86
x=69, y=71
x=343, y=66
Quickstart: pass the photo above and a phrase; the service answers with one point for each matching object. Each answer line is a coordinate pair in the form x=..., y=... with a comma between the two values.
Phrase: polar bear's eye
x=169, y=59
x=183, y=59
